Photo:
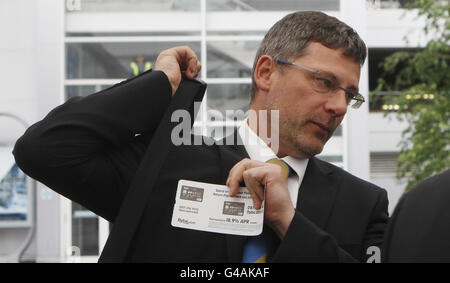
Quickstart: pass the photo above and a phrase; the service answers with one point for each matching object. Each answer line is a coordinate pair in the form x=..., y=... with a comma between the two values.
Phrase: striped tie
x=258, y=247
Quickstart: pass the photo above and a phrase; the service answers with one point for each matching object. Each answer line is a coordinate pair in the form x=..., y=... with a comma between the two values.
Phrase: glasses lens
x=357, y=101
x=356, y=104
x=323, y=83
x=351, y=96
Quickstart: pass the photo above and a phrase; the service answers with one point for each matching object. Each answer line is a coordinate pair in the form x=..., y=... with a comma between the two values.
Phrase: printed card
x=208, y=207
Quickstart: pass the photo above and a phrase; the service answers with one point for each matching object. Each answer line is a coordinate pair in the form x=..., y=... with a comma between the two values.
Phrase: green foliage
x=423, y=79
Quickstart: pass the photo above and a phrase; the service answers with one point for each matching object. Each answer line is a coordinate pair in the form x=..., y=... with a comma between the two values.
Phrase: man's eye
x=323, y=82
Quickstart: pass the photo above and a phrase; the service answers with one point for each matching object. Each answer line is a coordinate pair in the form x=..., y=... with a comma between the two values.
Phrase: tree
x=419, y=83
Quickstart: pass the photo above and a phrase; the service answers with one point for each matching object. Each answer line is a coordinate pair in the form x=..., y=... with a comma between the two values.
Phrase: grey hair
x=289, y=37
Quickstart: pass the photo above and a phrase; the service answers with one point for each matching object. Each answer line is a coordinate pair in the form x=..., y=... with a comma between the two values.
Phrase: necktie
x=287, y=170
x=258, y=247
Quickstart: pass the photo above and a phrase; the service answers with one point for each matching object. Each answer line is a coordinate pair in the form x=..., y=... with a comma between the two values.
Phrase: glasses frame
x=358, y=98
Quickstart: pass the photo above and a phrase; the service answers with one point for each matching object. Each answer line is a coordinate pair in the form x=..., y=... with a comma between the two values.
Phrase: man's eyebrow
x=336, y=79
x=331, y=75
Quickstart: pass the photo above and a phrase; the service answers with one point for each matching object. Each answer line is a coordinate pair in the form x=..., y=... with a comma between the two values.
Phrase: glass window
x=231, y=59
x=132, y=5
x=84, y=230
x=376, y=56
x=270, y=5
x=14, y=195
x=114, y=59
x=226, y=99
x=387, y=4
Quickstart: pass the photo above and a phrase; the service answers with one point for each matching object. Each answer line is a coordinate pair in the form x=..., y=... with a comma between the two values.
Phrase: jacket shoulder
x=345, y=178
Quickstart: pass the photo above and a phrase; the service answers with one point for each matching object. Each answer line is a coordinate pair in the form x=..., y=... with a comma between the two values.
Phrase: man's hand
x=176, y=60
x=260, y=177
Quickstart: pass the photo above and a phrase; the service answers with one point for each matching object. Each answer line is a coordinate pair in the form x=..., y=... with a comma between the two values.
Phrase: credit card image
x=191, y=193
x=233, y=208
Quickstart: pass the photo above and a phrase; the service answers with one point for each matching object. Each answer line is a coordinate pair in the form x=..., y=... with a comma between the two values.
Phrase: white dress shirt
x=258, y=150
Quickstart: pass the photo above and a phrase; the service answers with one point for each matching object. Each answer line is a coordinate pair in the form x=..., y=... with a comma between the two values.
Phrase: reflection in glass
x=113, y=59
x=231, y=59
x=226, y=99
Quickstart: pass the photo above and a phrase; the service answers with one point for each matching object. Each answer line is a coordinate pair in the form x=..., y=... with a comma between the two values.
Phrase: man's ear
x=263, y=72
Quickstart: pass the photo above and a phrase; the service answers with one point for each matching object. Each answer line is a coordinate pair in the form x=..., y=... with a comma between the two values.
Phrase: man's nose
x=337, y=103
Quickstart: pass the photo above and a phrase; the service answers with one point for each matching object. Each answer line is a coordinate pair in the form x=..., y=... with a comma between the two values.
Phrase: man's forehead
x=331, y=61
x=316, y=48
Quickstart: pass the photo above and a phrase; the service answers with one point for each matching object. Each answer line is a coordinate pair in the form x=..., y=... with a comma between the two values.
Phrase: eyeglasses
x=327, y=84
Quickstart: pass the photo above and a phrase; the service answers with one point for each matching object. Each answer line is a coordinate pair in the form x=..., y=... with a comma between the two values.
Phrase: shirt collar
x=258, y=150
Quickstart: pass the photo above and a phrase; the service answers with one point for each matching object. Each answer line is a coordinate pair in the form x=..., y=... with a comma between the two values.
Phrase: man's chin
x=311, y=152
x=305, y=146
x=312, y=149
x=306, y=151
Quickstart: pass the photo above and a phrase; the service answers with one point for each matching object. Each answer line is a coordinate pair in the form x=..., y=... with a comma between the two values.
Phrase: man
x=139, y=66
x=307, y=68
x=419, y=230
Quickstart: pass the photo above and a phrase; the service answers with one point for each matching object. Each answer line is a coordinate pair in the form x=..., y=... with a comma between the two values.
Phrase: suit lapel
x=231, y=152
x=317, y=193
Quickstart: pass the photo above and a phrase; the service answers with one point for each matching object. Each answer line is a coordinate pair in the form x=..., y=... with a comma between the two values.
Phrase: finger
x=253, y=182
x=235, y=177
x=187, y=52
x=254, y=186
x=185, y=56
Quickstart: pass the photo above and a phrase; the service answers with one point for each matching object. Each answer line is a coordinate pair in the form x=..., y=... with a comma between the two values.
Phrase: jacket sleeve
x=306, y=242
x=89, y=148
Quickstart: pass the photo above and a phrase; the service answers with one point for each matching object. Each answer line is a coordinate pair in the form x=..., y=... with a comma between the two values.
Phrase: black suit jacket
x=91, y=150
x=419, y=229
